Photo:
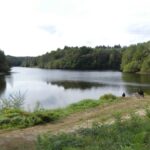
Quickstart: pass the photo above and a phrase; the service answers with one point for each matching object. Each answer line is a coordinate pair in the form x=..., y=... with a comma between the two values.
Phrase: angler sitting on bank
x=141, y=92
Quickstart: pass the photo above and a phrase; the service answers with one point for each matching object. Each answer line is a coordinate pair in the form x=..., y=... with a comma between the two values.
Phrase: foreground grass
x=104, y=113
x=132, y=134
x=18, y=118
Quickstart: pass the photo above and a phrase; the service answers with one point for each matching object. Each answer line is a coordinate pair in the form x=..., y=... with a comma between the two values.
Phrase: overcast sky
x=33, y=27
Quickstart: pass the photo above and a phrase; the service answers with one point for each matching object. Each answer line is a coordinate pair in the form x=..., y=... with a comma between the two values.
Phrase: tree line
x=78, y=58
x=134, y=58
x=4, y=67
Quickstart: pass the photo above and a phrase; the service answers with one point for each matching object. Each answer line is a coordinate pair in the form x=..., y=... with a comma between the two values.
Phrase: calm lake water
x=58, y=88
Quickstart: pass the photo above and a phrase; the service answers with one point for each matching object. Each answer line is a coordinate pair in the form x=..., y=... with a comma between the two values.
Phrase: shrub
x=130, y=135
x=4, y=120
x=108, y=98
x=14, y=101
x=148, y=112
x=15, y=117
x=15, y=121
x=46, y=116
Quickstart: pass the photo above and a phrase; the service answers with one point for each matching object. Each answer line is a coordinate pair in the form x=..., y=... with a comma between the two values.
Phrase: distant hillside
x=79, y=58
x=16, y=61
x=132, y=59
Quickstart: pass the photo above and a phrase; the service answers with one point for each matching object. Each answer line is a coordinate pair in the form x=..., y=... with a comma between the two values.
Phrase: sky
x=34, y=27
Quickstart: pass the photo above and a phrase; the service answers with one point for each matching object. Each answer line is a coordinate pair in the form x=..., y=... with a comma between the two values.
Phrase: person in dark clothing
x=141, y=92
x=123, y=95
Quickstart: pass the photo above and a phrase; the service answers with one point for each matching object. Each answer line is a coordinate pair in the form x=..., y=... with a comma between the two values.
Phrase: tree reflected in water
x=2, y=84
x=76, y=84
x=136, y=81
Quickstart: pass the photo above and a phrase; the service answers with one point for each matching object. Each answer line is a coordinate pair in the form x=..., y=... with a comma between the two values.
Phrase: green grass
x=12, y=117
x=133, y=134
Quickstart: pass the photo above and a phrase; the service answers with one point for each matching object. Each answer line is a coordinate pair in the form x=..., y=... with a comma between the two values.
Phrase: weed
x=13, y=116
x=121, y=136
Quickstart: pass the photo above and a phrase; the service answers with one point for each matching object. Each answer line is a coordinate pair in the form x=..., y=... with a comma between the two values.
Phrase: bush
x=4, y=120
x=15, y=121
x=130, y=135
x=108, y=98
x=47, y=116
x=14, y=117
x=14, y=101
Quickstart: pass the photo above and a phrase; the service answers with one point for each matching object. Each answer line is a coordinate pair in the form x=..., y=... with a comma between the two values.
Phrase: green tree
x=3, y=62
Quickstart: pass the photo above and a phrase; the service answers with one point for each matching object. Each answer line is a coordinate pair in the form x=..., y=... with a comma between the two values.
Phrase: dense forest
x=17, y=61
x=81, y=58
x=4, y=67
x=134, y=58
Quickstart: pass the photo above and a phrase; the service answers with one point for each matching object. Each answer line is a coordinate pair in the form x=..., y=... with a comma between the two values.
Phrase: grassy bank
x=15, y=117
x=103, y=113
x=132, y=134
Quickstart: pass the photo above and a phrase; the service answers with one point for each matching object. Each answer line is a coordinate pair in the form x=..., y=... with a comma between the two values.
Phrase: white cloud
x=33, y=27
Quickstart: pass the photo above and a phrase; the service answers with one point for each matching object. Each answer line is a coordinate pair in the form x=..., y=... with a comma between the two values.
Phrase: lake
x=59, y=88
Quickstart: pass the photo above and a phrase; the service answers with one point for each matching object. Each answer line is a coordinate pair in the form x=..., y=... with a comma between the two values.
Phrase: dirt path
x=24, y=139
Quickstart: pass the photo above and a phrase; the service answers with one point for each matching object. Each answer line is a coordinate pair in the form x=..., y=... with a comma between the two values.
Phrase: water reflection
x=136, y=78
x=2, y=84
x=76, y=84
x=58, y=88
x=136, y=81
